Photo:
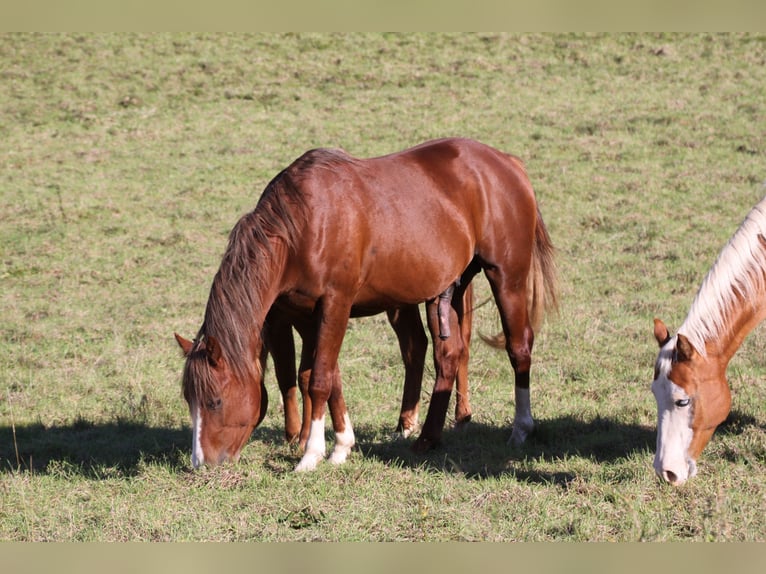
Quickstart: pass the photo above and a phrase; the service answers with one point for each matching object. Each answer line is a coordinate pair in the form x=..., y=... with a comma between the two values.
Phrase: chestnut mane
x=247, y=266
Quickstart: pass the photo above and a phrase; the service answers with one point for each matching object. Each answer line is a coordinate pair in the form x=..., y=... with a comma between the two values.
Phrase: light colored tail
x=542, y=281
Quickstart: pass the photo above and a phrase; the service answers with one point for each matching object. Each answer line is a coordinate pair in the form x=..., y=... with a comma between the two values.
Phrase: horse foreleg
x=412, y=345
x=447, y=354
x=304, y=378
x=341, y=423
x=332, y=323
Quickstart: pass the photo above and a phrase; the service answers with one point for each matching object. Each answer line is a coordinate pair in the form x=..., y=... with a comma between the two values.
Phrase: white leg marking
x=415, y=424
x=522, y=422
x=344, y=442
x=198, y=457
x=315, y=447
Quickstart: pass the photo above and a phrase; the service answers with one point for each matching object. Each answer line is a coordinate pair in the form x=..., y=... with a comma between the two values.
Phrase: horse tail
x=542, y=280
x=542, y=283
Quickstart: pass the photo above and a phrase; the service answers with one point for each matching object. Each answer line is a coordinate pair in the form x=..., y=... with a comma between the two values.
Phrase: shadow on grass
x=88, y=449
x=94, y=450
x=481, y=451
x=476, y=451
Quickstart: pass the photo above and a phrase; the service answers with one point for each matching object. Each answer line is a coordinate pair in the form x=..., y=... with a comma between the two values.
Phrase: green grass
x=126, y=159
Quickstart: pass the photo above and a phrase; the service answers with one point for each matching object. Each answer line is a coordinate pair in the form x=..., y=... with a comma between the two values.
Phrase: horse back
x=404, y=226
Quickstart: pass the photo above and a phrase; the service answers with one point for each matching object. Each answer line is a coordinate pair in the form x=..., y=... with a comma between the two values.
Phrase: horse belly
x=410, y=275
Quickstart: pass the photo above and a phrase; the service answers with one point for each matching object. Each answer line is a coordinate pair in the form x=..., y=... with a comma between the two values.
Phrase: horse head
x=693, y=398
x=225, y=406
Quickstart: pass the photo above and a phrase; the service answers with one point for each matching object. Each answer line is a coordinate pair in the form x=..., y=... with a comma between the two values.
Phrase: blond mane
x=737, y=276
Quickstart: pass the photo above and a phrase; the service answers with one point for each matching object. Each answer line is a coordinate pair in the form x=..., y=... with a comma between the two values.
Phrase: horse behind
x=690, y=386
x=333, y=237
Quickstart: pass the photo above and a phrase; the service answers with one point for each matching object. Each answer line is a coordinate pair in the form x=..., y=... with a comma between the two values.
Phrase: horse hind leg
x=447, y=354
x=413, y=345
x=463, y=411
x=519, y=339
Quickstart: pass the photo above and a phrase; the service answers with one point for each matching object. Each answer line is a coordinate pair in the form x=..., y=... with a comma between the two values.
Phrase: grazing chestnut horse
x=406, y=322
x=333, y=237
x=690, y=385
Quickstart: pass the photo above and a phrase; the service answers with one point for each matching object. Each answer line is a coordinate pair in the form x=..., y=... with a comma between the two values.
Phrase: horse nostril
x=669, y=476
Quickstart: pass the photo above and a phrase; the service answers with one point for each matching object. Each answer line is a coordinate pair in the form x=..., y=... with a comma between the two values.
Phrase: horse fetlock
x=344, y=442
x=309, y=461
x=522, y=428
x=407, y=426
x=340, y=453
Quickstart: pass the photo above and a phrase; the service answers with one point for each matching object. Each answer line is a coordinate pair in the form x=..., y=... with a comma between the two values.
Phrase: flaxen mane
x=739, y=274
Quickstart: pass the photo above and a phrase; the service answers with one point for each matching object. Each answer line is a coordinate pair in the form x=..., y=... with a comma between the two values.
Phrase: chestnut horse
x=690, y=385
x=334, y=237
x=408, y=327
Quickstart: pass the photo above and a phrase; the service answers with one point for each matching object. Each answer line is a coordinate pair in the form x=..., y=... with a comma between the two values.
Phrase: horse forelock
x=198, y=383
x=737, y=277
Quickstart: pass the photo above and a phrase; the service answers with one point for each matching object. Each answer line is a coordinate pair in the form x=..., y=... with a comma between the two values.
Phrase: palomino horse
x=690, y=385
x=333, y=237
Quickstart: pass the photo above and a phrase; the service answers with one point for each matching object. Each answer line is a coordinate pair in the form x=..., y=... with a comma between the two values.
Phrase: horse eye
x=682, y=403
x=214, y=404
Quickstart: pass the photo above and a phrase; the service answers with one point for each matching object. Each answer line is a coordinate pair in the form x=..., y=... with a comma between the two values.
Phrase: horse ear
x=661, y=332
x=185, y=344
x=684, y=349
x=214, y=352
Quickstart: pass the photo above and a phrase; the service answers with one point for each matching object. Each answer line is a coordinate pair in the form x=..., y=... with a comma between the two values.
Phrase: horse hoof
x=462, y=423
x=406, y=432
x=339, y=454
x=423, y=445
x=309, y=462
x=518, y=437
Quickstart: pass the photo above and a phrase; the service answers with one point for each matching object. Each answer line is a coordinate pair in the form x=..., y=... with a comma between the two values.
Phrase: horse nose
x=672, y=478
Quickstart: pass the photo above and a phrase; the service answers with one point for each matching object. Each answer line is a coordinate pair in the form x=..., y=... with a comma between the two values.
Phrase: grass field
x=126, y=160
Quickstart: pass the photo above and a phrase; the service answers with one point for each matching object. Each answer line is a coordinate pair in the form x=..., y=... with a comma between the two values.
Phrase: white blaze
x=198, y=457
x=674, y=424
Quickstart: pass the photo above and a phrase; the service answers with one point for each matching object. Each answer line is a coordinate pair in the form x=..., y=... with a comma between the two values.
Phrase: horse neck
x=239, y=303
x=744, y=317
x=270, y=281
